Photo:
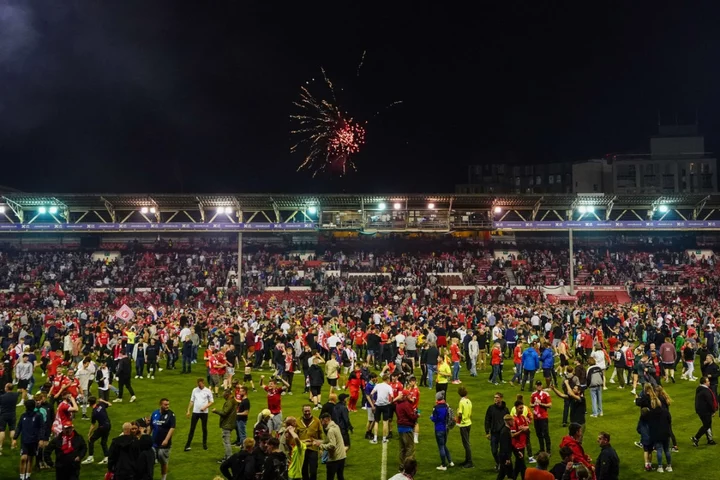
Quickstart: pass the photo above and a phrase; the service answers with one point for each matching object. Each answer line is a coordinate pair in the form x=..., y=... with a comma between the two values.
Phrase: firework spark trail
x=362, y=60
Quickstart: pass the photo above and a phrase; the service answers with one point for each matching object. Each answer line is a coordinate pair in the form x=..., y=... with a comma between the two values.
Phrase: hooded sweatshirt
x=494, y=418
x=578, y=451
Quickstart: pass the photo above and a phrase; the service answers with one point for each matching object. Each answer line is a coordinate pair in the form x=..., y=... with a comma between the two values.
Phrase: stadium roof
x=391, y=211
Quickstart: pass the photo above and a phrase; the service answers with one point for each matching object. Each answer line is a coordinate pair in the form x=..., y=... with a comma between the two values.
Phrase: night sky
x=180, y=96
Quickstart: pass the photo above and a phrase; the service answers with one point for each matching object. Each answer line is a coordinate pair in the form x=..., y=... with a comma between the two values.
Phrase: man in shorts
x=30, y=431
x=8, y=403
x=381, y=405
x=162, y=421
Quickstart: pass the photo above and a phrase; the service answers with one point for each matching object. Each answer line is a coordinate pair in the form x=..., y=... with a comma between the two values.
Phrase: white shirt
x=332, y=341
x=184, y=333
x=200, y=399
x=399, y=338
x=599, y=357
x=384, y=394
x=535, y=321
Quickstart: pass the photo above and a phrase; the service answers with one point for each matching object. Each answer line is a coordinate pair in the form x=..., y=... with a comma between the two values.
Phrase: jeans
x=431, y=372
x=465, y=436
x=203, y=417
x=517, y=377
x=496, y=369
x=241, y=430
x=663, y=446
x=596, y=397
x=456, y=371
x=310, y=465
x=528, y=376
x=441, y=439
x=186, y=363
x=473, y=366
x=226, y=442
x=139, y=366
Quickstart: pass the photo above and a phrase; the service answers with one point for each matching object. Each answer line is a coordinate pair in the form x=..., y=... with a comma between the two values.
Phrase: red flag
x=58, y=290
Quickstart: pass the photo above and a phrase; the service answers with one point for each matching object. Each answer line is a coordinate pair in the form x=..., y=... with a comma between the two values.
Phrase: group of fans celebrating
x=375, y=356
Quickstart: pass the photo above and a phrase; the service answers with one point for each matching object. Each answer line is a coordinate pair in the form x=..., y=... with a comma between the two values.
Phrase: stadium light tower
x=312, y=210
x=42, y=210
x=397, y=206
x=53, y=210
x=663, y=208
x=431, y=206
x=381, y=206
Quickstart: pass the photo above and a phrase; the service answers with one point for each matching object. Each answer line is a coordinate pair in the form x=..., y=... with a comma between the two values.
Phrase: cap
x=266, y=413
x=439, y=396
x=538, y=383
x=67, y=424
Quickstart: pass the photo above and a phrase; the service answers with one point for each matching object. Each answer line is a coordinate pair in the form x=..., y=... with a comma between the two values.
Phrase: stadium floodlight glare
x=431, y=206
x=144, y=210
x=312, y=210
x=2, y=208
x=152, y=210
x=498, y=210
x=582, y=209
x=228, y=210
x=220, y=210
x=42, y=210
x=590, y=209
x=397, y=206
x=53, y=210
x=381, y=206
x=663, y=208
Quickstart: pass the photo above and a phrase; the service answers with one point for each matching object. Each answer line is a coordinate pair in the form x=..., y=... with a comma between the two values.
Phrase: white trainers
x=160, y=369
x=117, y=400
x=88, y=460
x=612, y=381
x=451, y=464
x=153, y=377
x=442, y=467
x=532, y=460
x=136, y=376
x=660, y=469
x=103, y=461
x=668, y=468
x=132, y=399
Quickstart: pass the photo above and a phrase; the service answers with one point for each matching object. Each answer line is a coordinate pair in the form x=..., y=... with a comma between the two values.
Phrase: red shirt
x=61, y=417
x=496, y=357
x=73, y=386
x=57, y=383
x=543, y=397
x=359, y=337
x=274, y=399
x=415, y=393
x=519, y=442
x=289, y=363
x=397, y=388
x=517, y=354
x=454, y=353
x=220, y=362
x=103, y=338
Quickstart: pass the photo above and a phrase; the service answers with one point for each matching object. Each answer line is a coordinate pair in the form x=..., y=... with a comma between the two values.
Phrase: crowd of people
x=373, y=343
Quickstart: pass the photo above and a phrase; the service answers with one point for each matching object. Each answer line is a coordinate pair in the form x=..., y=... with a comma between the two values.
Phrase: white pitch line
x=383, y=464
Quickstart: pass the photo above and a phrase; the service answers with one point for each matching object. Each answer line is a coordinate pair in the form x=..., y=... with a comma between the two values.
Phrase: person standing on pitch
x=201, y=400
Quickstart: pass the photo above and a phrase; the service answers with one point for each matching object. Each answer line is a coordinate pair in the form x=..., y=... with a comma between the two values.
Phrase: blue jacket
x=510, y=335
x=439, y=417
x=530, y=359
x=31, y=426
x=547, y=358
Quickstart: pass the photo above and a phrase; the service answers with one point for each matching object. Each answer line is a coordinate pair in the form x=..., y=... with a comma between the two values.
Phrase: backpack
x=98, y=375
x=450, y=419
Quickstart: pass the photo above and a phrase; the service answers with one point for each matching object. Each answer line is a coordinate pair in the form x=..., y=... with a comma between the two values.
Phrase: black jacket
x=505, y=447
x=122, y=457
x=607, y=465
x=145, y=462
x=276, y=465
x=658, y=421
x=239, y=466
x=494, y=418
x=704, y=401
x=66, y=459
x=123, y=368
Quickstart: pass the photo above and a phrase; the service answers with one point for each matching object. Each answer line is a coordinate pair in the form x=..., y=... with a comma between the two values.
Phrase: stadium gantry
x=36, y=212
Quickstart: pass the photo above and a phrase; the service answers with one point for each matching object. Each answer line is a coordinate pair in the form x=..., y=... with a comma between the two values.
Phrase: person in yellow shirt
x=297, y=454
x=464, y=421
x=443, y=374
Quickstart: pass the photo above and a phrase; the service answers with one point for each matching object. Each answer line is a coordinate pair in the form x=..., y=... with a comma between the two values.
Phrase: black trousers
x=102, y=434
x=336, y=468
x=203, y=417
x=122, y=383
x=310, y=465
x=465, y=437
x=528, y=375
x=706, y=426
x=71, y=472
x=543, y=434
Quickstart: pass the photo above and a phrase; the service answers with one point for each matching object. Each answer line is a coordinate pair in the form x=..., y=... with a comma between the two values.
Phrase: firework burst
x=328, y=136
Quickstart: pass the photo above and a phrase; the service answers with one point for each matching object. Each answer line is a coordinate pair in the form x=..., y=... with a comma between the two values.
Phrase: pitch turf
x=364, y=459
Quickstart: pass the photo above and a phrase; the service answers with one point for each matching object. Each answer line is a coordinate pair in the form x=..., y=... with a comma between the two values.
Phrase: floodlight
x=228, y=210
x=2, y=208
x=663, y=208
x=582, y=209
x=152, y=209
x=590, y=209
x=431, y=206
x=397, y=206
x=498, y=210
x=42, y=210
x=381, y=206
x=144, y=210
x=312, y=210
